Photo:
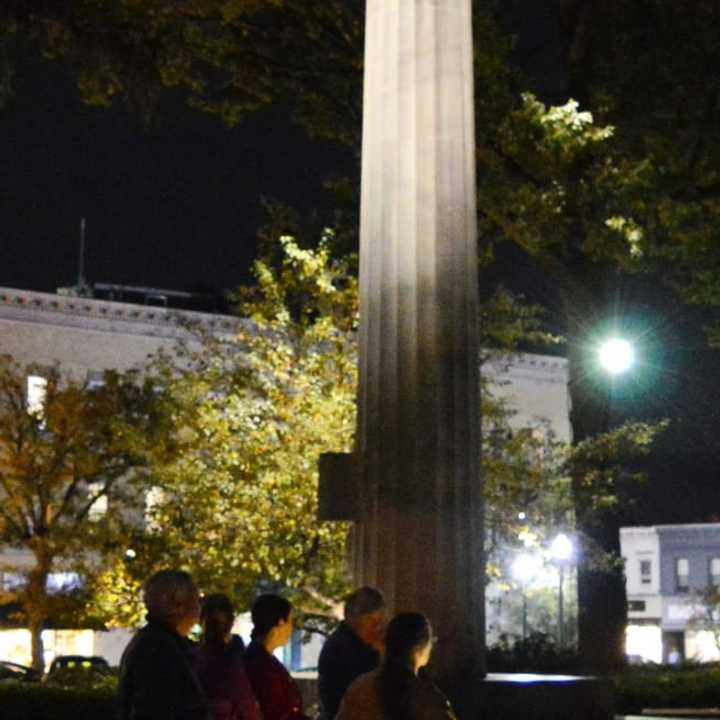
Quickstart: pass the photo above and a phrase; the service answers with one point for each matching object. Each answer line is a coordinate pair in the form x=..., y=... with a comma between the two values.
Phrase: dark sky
x=175, y=205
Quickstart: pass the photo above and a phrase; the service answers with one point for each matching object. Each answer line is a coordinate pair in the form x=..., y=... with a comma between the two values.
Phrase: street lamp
x=562, y=550
x=524, y=569
x=616, y=355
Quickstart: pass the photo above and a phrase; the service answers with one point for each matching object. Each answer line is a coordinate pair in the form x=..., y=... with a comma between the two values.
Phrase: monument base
x=519, y=696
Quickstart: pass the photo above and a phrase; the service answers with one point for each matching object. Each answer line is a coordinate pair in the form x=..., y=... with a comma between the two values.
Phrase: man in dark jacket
x=353, y=649
x=157, y=681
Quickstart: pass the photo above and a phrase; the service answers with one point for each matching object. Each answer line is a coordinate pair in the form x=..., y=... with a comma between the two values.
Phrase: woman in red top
x=277, y=693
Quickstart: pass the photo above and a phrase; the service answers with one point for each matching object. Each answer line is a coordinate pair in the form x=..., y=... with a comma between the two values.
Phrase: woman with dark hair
x=219, y=663
x=277, y=693
x=394, y=691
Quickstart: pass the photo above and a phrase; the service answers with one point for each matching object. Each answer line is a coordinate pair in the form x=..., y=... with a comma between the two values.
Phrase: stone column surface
x=419, y=535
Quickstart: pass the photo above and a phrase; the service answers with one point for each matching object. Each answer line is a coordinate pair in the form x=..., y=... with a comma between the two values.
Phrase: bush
x=538, y=653
x=637, y=689
x=81, y=678
x=33, y=701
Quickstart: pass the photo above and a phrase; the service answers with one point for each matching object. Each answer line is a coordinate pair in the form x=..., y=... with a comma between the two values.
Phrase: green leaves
x=252, y=415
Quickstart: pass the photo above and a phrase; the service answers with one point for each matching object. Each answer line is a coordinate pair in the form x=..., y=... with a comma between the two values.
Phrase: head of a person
x=365, y=613
x=272, y=621
x=171, y=597
x=408, y=641
x=217, y=616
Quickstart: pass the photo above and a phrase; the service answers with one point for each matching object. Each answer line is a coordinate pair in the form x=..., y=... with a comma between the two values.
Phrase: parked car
x=13, y=671
x=70, y=669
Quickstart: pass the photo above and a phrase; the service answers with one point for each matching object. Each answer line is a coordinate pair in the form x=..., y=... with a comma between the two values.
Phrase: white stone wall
x=83, y=335
x=536, y=387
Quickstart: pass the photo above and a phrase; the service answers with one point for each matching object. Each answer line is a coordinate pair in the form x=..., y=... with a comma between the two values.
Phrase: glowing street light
x=525, y=568
x=562, y=548
x=616, y=356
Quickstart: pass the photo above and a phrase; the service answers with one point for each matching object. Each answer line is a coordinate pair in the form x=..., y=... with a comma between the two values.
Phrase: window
x=645, y=572
x=11, y=582
x=682, y=574
x=714, y=572
x=95, y=379
x=62, y=582
x=636, y=606
x=154, y=500
x=36, y=394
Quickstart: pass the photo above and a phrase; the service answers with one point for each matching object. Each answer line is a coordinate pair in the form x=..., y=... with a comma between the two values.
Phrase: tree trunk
x=38, y=649
x=36, y=601
x=602, y=606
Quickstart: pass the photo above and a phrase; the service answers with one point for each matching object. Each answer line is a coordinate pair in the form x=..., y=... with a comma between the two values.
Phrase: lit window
x=153, y=501
x=645, y=572
x=100, y=505
x=715, y=571
x=11, y=582
x=62, y=582
x=682, y=574
x=36, y=394
x=95, y=379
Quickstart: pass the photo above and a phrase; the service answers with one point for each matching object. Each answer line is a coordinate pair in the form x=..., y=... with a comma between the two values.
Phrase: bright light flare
x=562, y=548
x=616, y=356
x=526, y=567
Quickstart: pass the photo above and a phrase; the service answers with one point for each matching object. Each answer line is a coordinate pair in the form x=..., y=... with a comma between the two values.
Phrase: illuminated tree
x=60, y=461
x=252, y=413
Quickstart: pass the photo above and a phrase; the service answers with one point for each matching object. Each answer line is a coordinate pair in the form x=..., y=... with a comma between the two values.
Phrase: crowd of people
x=366, y=670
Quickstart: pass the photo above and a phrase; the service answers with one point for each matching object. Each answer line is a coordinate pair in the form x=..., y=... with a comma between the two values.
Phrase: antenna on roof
x=81, y=260
x=83, y=287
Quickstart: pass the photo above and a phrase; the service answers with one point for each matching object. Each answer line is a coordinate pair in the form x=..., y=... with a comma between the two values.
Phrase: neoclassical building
x=84, y=336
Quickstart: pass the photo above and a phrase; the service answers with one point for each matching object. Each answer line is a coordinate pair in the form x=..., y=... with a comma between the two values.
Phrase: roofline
x=671, y=526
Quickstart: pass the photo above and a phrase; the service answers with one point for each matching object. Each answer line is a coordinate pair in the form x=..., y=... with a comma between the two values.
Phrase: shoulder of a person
x=432, y=698
x=257, y=658
x=363, y=684
x=162, y=643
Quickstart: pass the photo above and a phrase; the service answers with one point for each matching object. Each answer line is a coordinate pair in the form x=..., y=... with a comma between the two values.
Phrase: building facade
x=85, y=336
x=535, y=388
x=669, y=569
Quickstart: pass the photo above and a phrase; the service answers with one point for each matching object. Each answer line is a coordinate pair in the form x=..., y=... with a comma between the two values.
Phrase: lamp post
x=524, y=569
x=562, y=550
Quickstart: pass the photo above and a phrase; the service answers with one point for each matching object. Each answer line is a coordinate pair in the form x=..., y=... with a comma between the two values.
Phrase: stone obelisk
x=419, y=534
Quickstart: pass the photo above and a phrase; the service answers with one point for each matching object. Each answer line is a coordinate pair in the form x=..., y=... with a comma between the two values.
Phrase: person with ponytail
x=277, y=693
x=219, y=663
x=395, y=691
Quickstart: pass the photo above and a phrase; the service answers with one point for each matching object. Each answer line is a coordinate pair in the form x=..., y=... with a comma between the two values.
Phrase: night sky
x=177, y=205
x=174, y=205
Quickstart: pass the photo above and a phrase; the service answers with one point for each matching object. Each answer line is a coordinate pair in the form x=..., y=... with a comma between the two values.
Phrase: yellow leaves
x=259, y=415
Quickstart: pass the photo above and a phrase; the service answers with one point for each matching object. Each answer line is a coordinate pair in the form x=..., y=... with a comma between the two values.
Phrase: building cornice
x=106, y=315
x=527, y=366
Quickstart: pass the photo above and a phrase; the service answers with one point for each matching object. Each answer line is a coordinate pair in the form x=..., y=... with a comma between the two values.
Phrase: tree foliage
x=57, y=462
x=253, y=412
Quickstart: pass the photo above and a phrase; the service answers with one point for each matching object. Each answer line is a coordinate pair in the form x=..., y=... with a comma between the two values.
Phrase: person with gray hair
x=157, y=680
x=354, y=648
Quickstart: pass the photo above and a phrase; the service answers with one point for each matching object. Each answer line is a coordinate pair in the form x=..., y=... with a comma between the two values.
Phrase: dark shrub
x=29, y=701
x=638, y=689
x=538, y=653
